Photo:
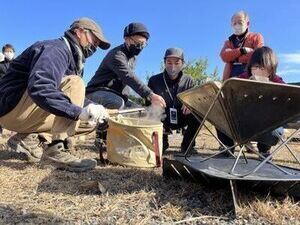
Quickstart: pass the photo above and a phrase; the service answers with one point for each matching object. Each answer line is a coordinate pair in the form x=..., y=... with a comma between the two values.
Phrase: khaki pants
x=27, y=117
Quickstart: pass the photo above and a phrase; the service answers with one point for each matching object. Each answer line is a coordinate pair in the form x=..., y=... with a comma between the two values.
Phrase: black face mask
x=135, y=49
x=88, y=50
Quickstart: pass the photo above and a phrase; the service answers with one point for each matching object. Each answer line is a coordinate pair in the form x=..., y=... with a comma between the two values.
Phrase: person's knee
x=76, y=83
x=73, y=87
x=270, y=139
x=118, y=103
x=107, y=99
x=276, y=136
x=274, y=140
x=263, y=148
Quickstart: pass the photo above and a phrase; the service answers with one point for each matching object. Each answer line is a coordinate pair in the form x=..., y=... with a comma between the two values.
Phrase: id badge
x=173, y=116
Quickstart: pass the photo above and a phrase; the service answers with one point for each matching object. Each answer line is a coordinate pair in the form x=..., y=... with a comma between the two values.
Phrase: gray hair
x=242, y=13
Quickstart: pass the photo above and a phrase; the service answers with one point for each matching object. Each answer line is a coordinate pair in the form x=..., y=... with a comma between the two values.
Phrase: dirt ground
x=118, y=195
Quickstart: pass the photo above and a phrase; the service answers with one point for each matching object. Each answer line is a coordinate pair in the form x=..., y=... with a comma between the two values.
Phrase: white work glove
x=93, y=114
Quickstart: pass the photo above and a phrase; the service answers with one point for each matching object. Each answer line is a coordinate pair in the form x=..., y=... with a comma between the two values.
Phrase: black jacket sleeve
x=150, y=85
x=120, y=67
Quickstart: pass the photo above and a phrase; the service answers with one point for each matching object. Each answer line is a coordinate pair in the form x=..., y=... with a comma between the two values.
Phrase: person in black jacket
x=116, y=72
x=109, y=85
x=42, y=94
x=168, y=84
x=9, y=53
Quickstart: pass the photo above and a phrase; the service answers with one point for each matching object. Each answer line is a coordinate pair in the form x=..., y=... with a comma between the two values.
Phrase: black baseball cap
x=174, y=52
x=136, y=29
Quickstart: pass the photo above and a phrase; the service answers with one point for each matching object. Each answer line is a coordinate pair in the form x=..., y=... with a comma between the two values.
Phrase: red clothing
x=276, y=79
x=229, y=54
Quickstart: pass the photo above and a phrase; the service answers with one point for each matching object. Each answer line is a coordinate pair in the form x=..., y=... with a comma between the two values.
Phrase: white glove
x=93, y=113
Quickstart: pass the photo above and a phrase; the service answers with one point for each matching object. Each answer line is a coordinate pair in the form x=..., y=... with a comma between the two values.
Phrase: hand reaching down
x=93, y=114
x=157, y=100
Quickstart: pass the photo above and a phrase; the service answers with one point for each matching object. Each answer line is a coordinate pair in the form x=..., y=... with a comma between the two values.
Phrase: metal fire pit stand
x=243, y=110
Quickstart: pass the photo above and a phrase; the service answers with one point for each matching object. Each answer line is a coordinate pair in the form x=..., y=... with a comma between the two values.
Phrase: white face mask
x=9, y=55
x=239, y=29
x=173, y=71
x=259, y=74
x=259, y=78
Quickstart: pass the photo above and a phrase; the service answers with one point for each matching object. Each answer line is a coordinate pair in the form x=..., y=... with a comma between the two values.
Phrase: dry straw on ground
x=118, y=195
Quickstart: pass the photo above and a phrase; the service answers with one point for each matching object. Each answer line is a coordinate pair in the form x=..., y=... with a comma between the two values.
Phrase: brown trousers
x=27, y=117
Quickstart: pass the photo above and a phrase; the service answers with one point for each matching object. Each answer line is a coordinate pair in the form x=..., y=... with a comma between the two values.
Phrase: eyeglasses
x=140, y=43
x=93, y=37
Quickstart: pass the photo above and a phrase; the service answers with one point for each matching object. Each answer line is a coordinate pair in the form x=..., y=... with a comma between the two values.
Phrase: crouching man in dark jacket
x=168, y=84
x=116, y=72
x=43, y=93
x=109, y=85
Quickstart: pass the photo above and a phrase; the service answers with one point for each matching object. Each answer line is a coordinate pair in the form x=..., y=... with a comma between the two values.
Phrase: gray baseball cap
x=89, y=24
x=174, y=52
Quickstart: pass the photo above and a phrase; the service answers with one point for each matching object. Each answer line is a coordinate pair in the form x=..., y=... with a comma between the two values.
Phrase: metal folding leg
x=267, y=159
x=288, y=147
x=202, y=123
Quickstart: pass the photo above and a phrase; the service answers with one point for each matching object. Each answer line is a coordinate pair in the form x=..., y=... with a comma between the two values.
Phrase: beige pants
x=27, y=117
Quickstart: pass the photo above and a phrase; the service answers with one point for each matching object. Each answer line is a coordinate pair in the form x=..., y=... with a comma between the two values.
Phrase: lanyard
x=168, y=89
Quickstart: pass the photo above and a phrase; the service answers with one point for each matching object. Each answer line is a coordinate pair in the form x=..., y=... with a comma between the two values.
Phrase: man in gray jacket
x=168, y=84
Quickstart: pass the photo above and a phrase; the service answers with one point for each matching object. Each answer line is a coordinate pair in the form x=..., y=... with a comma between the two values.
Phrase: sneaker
x=57, y=156
x=29, y=144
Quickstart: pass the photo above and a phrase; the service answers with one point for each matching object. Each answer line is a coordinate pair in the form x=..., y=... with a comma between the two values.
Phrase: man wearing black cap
x=42, y=96
x=168, y=84
x=116, y=72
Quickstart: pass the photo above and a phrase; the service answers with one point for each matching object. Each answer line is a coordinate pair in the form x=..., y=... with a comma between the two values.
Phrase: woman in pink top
x=261, y=67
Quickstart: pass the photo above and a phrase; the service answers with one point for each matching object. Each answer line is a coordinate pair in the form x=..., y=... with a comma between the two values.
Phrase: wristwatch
x=148, y=98
x=243, y=51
